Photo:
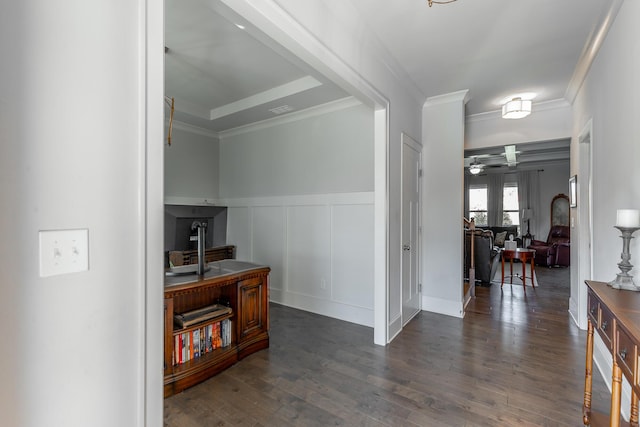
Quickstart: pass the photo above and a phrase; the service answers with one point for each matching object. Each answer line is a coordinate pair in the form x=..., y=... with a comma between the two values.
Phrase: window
x=478, y=205
x=510, y=208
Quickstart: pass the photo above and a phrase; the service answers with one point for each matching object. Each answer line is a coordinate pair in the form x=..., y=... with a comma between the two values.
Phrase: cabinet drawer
x=605, y=327
x=592, y=304
x=626, y=354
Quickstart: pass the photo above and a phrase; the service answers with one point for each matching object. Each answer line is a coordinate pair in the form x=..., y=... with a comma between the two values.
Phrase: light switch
x=63, y=251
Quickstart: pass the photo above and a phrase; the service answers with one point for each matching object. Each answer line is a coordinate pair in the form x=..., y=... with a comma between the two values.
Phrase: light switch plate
x=63, y=251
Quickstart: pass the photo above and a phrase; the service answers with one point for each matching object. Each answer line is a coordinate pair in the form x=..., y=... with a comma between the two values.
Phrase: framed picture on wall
x=573, y=192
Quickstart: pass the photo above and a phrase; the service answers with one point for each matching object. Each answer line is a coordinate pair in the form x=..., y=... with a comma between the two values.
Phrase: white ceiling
x=223, y=77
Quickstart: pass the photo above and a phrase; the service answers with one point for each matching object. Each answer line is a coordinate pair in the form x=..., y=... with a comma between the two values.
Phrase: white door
x=411, y=153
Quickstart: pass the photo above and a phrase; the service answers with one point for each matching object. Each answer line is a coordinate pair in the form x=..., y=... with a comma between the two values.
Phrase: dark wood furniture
x=178, y=258
x=524, y=255
x=615, y=314
x=246, y=292
x=556, y=250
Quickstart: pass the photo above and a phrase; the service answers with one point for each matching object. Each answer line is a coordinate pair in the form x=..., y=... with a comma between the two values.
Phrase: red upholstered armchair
x=556, y=250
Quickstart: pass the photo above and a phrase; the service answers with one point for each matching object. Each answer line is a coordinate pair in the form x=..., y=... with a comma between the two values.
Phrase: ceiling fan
x=506, y=159
x=474, y=167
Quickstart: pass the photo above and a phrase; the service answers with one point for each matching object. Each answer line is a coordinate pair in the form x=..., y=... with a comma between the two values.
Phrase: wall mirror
x=560, y=210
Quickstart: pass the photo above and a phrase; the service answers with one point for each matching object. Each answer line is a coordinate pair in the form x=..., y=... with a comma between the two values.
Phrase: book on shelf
x=190, y=318
x=196, y=343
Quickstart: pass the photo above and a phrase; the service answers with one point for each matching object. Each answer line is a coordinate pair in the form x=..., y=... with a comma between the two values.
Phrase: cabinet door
x=252, y=316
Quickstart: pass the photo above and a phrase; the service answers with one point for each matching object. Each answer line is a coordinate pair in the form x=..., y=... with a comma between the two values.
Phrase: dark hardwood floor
x=514, y=360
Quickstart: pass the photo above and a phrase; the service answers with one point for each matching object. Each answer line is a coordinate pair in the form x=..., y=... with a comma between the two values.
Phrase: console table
x=615, y=314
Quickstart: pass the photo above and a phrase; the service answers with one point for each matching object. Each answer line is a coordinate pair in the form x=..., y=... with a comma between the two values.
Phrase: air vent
x=282, y=109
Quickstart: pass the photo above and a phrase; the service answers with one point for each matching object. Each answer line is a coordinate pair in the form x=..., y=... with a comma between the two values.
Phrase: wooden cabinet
x=615, y=315
x=253, y=316
x=246, y=293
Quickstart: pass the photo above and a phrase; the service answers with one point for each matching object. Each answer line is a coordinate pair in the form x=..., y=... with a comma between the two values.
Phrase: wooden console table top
x=624, y=304
x=615, y=315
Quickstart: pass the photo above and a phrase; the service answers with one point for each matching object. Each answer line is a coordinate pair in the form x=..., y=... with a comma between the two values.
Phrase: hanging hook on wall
x=431, y=2
x=171, y=103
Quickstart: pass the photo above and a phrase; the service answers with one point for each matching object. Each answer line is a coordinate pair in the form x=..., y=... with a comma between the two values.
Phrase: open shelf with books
x=211, y=323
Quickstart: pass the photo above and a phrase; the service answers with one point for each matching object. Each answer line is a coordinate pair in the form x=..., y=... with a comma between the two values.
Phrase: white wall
x=605, y=98
x=300, y=200
x=73, y=125
x=191, y=165
x=443, y=136
x=331, y=152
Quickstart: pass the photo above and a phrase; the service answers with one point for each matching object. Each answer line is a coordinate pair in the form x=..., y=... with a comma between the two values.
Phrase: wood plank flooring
x=514, y=360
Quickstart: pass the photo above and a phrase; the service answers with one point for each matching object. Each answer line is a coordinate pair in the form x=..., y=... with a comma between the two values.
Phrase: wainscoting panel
x=308, y=251
x=352, y=270
x=239, y=231
x=319, y=248
x=268, y=241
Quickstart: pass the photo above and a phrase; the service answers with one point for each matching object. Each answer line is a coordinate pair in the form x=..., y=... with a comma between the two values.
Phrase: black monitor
x=177, y=226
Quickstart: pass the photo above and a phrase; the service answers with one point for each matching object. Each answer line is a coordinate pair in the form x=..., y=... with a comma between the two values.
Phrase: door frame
x=582, y=252
x=281, y=28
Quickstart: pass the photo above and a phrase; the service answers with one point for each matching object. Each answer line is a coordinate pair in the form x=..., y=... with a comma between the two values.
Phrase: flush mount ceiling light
x=432, y=2
x=516, y=108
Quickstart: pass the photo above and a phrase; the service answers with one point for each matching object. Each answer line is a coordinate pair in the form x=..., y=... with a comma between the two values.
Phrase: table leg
x=524, y=275
x=502, y=283
x=511, y=269
x=586, y=406
x=633, y=417
x=533, y=283
x=616, y=388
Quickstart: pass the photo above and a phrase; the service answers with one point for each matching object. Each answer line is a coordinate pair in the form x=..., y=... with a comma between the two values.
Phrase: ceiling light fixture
x=516, y=108
x=432, y=2
x=475, y=168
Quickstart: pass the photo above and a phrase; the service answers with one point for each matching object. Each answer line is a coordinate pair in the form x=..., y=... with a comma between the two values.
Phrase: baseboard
x=573, y=311
x=395, y=327
x=349, y=313
x=441, y=306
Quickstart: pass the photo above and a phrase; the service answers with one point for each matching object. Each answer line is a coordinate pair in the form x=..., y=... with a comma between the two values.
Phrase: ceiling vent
x=282, y=109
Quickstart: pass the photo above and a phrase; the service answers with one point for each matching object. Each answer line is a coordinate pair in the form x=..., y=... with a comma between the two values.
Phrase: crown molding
x=317, y=110
x=186, y=127
x=295, y=116
x=459, y=96
x=590, y=51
